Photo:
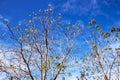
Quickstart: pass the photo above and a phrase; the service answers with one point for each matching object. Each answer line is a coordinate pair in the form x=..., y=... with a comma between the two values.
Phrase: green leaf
x=69, y=74
x=92, y=43
x=63, y=78
x=31, y=30
x=76, y=61
x=118, y=29
x=106, y=35
x=12, y=66
x=50, y=58
x=58, y=65
x=90, y=23
x=57, y=57
x=113, y=29
x=64, y=67
x=44, y=67
x=117, y=48
x=26, y=29
x=21, y=38
x=93, y=21
x=30, y=21
x=49, y=5
x=27, y=35
x=97, y=26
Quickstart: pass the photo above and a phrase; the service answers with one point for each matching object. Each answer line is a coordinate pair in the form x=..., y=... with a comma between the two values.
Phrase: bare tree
x=40, y=47
x=103, y=58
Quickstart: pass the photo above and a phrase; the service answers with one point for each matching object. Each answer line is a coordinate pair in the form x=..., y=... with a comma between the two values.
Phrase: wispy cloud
x=84, y=7
x=116, y=23
x=1, y=17
x=2, y=24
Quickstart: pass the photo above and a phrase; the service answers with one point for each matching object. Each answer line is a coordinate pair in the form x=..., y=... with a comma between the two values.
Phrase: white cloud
x=2, y=24
x=1, y=17
x=94, y=1
x=117, y=23
x=84, y=7
x=80, y=6
x=2, y=20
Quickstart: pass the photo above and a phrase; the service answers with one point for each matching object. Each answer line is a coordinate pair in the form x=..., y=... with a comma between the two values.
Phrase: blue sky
x=106, y=12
